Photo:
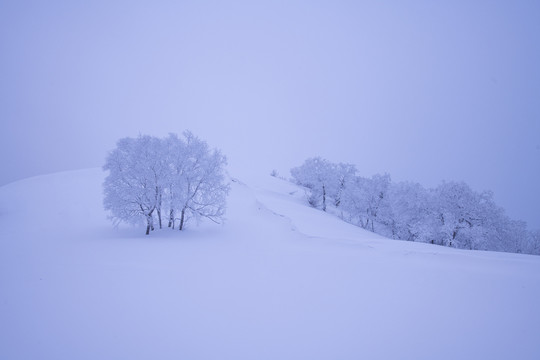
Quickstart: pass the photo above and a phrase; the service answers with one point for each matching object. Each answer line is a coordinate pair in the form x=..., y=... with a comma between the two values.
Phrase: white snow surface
x=278, y=280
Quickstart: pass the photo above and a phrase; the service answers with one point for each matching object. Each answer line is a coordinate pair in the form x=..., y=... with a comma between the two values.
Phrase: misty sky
x=424, y=90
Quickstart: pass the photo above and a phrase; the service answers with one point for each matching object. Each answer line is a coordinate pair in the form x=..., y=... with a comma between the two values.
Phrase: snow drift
x=278, y=280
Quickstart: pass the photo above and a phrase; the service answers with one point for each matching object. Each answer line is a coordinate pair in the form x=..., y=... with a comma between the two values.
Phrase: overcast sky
x=424, y=90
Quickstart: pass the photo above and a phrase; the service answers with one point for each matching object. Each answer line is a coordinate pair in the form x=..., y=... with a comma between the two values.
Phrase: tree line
x=451, y=214
x=168, y=179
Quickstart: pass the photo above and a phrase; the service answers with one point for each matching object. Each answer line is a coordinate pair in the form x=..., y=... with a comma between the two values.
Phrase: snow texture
x=278, y=280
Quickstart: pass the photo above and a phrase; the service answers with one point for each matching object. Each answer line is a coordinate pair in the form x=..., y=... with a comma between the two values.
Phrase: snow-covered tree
x=411, y=212
x=344, y=174
x=317, y=175
x=533, y=243
x=451, y=214
x=516, y=236
x=133, y=188
x=198, y=182
x=324, y=180
x=465, y=217
x=454, y=202
x=148, y=175
x=365, y=201
x=497, y=231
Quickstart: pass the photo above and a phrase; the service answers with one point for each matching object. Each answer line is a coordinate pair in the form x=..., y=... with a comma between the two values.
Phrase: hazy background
x=421, y=90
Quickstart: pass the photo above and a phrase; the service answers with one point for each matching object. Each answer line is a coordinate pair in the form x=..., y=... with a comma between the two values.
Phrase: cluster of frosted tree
x=451, y=215
x=172, y=179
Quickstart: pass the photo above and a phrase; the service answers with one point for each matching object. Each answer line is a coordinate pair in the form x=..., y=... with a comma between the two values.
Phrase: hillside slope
x=278, y=280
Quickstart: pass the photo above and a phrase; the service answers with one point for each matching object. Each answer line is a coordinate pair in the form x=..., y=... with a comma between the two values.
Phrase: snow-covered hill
x=278, y=280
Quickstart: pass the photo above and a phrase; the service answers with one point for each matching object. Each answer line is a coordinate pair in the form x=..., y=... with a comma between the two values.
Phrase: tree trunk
x=454, y=234
x=323, y=198
x=171, y=218
x=159, y=206
x=149, y=224
x=149, y=219
x=364, y=226
x=182, y=219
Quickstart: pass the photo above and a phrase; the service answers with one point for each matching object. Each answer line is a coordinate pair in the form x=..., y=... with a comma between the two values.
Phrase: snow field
x=278, y=280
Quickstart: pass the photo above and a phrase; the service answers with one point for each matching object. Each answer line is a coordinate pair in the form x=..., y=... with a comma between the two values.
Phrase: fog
x=424, y=91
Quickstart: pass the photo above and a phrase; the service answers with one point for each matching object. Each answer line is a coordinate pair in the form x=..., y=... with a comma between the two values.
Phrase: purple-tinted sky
x=422, y=90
